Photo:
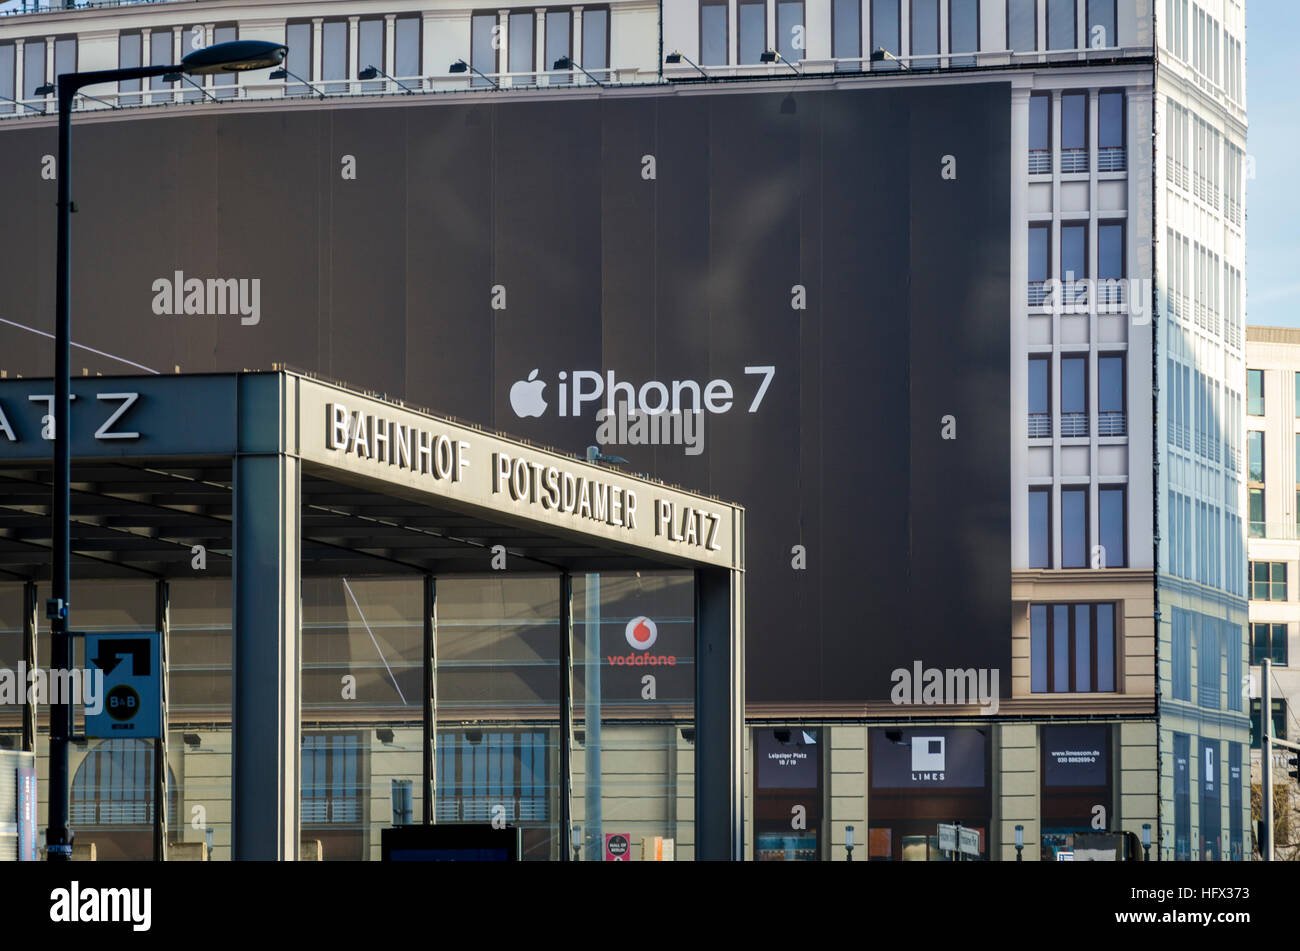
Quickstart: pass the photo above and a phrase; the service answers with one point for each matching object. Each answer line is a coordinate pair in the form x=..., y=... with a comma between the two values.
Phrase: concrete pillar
x=267, y=636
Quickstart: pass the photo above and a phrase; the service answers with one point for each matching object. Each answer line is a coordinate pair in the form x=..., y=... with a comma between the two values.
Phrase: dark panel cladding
x=797, y=267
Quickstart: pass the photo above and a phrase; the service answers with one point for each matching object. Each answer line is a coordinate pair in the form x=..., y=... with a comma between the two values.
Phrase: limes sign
x=128, y=700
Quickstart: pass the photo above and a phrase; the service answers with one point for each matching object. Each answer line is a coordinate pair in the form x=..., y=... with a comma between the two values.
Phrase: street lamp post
x=223, y=57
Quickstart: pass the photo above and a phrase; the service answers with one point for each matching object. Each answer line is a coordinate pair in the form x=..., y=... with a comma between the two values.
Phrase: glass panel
x=1040, y=528
x=129, y=47
x=713, y=34
x=194, y=38
x=1110, y=251
x=33, y=68
x=1110, y=384
x=1277, y=581
x=1255, y=392
x=1039, y=253
x=1074, y=389
x=1038, y=648
x=65, y=55
x=1101, y=24
x=753, y=31
x=225, y=82
x=406, y=47
x=1083, y=648
x=483, y=56
x=847, y=41
x=1022, y=25
x=334, y=55
x=523, y=48
x=1074, y=121
x=790, y=42
x=1255, y=455
x=370, y=51
x=1110, y=120
x=160, y=53
x=559, y=33
x=298, y=62
x=595, y=40
x=964, y=30
x=1061, y=25
x=1105, y=647
x=1040, y=119
x=1039, y=382
x=1060, y=648
x=1074, y=528
x=925, y=30
x=1256, y=503
x=1074, y=252
x=1111, y=526
x=885, y=30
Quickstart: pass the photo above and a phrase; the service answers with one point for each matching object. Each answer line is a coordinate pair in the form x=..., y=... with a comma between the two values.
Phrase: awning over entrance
x=277, y=475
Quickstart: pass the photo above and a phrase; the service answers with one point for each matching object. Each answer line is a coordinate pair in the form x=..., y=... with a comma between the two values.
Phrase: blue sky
x=1273, y=197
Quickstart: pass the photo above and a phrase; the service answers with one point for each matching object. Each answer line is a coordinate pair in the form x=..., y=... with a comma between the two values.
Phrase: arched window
x=113, y=786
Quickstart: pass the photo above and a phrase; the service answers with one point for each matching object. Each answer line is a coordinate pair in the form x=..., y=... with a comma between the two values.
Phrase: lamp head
x=234, y=57
x=564, y=62
x=368, y=73
x=879, y=54
x=46, y=90
x=769, y=56
x=673, y=58
x=458, y=67
x=278, y=74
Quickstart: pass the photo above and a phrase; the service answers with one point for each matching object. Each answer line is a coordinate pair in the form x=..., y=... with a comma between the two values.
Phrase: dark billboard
x=817, y=282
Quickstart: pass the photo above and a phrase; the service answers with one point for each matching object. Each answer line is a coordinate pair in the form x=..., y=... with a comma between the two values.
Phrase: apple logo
x=526, y=396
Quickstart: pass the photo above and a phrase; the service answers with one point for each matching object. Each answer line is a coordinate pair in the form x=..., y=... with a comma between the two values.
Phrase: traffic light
x=1293, y=766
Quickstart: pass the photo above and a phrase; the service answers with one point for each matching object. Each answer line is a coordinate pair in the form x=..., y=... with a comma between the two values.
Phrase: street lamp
x=1146, y=842
x=370, y=72
x=576, y=841
x=461, y=66
x=773, y=56
x=566, y=62
x=881, y=55
x=222, y=58
x=848, y=843
x=675, y=57
x=1020, y=842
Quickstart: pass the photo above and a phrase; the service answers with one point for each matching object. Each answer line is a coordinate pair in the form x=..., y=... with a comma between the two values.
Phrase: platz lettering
x=689, y=526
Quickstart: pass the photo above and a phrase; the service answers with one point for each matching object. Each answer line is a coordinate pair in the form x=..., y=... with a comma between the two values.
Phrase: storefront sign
x=132, y=704
x=1075, y=756
x=617, y=847
x=928, y=757
x=787, y=759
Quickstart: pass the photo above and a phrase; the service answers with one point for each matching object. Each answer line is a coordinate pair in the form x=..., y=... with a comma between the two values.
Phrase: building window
x=1182, y=798
x=1110, y=262
x=1255, y=503
x=1268, y=640
x=1074, y=262
x=406, y=47
x=1040, y=396
x=1232, y=650
x=1101, y=24
x=130, y=47
x=1040, y=134
x=1112, y=514
x=160, y=52
x=1181, y=655
x=1072, y=648
x=1255, y=455
x=478, y=770
x=1111, y=138
x=790, y=41
x=1040, y=527
x=1074, y=395
x=963, y=30
x=114, y=786
x=713, y=32
x=298, y=37
x=1254, y=392
x=1022, y=25
x=1111, y=397
x=1279, y=722
x=225, y=83
x=886, y=32
x=846, y=33
x=595, y=41
x=33, y=67
x=1040, y=262
x=925, y=32
x=752, y=33
x=334, y=55
x=523, y=48
x=1268, y=580
x=1209, y=663
x=559, y=40
x=1062, y=22
x=331, y=778
x=1074, y=527
x=403, y=802
x=65, y=55
x=370, y=50
x=1074, y=132
x=483, y=52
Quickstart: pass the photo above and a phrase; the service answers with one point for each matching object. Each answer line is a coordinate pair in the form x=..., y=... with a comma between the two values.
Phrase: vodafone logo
x=641, y=633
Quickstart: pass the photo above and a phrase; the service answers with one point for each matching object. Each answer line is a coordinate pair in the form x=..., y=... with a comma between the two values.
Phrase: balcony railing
x=1112, y=159
x=1074, y=424
x=1040, y=425
x=1037, y=293
x=1074, y=160
x=1112, y=423
x=1040, y=161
